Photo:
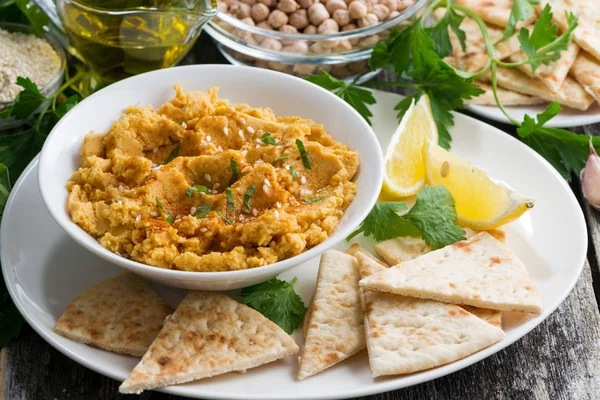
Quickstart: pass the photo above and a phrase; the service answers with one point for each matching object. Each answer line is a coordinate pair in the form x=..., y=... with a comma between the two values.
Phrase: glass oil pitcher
x=120, y=38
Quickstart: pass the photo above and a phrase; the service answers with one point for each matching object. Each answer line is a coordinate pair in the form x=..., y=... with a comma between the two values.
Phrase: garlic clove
x=590, y=178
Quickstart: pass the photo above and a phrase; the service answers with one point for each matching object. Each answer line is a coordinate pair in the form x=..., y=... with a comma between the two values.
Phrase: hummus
x=201, y=185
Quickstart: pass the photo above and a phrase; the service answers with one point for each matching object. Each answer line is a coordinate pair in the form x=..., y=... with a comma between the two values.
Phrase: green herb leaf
x=314, y=199
x=383, y=222
x=357, y=97
x=247, y=197
x=267, y=139
x=173, y=155
x=521, y=10
x=293, y=172
x=196, y=188
x=434, y=214
x=278, y=301
x=234, y=172
x=27, y=101
x=65, y=107
x=37, y=18
x=230, y=203
x=440, y=36
x=202, y=211
x=279, y=159
x=223, y=217
x=4, y=189
x=169, y=217
x=303, y=154
x=179, y=122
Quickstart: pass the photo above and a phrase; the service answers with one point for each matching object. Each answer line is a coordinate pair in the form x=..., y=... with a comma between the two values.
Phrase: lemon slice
x=481, y=202
x=405, y=160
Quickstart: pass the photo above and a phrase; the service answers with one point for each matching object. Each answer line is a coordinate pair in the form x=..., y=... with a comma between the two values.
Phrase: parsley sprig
x=278, y=301
x=267, y=139
x=433, y=217
x=416, y=54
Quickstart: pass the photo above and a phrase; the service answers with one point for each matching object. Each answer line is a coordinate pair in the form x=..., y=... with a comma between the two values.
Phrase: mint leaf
x=278, y=301
x=521, y=10
x=434, y=214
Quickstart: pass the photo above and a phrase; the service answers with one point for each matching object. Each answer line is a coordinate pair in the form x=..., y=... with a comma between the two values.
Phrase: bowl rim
x=79, y=235
x=355, y=33
x=56, y=45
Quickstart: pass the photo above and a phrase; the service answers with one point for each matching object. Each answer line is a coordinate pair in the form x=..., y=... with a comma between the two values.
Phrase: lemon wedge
x=481, y=202
x=405, y=159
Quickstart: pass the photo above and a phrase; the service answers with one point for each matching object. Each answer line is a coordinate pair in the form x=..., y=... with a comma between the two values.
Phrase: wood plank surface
x=560, y=359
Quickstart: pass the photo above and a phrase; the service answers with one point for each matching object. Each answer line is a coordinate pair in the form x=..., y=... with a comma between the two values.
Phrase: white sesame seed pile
x=26, y=55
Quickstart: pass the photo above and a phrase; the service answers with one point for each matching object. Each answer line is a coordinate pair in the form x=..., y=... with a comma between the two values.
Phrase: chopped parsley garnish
x=314, y=199
x=230, y=203
x=303, y=154
x=278, y=301
x=234, y=172
x=433, y=216
x=169, y=218
x=266, y=138
x=279, y=159
x=293, y=172
x=223, y=217
x=202, y=211
x=195, y=188
x=179, y=122
x=173, y=154
x=247, y=197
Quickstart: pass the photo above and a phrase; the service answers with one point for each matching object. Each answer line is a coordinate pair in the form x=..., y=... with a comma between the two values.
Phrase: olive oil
x=120, y=38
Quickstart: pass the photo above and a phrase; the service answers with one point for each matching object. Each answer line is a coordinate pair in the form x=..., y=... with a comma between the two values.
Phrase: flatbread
x=335, y=328
x=480, y=272
x=495, y=12
x=475, y=55
x=507, y=97
x=406, y=335
x=209, y=334
x=553, y=74
x=571, y=94
x=357, y=248
x=120, y=314
x=493, y=317
x=586, y=71
x=587, y=33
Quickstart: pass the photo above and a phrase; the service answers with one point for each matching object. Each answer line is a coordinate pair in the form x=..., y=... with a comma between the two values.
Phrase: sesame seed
x=119, y=203
x=203, y=144
x=254, y=212
x=226, y=131
x=259, y=161
x=258, y=141
x=154, y=214
x=250, y=129
x=220, y=149
x=138, y=218
x=193, y=210
x=216, y=186
x=207, y=177
x=276, y=140
x=246, y=169
x=208, y=138
x=154, y=165
x=267, y=183
x=257, y=146
x=260, y=131
x=276, y=214
x=304, y=192
x=244, y=152
x=279, y=147
x=215, y=192
x=266, y=189
x=203, y=230
x=303, y=180
x=241, y=133
x=154, y=150
x=184, y=125
x=243, y=121
x=278, y=204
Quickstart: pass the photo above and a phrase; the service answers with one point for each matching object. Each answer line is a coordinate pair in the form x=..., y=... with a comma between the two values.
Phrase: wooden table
x=560, y=359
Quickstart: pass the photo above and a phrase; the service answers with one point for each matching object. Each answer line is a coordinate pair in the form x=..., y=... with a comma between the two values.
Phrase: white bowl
x=284, y=94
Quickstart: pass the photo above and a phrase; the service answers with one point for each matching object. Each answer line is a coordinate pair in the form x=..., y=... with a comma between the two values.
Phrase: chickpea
x=268, y=3
x=264, y=25
x=343, y=46
x=299, y=19
x=325, y=67
x=307, y=3
x=261, y=64
x=393, y=14
x=242, y=34
x=277, y=66
x=248, y=21
x=350, y=27
x=310, y=30
x=329, y=44
x=271, y=44
x=357, y=10
x=317, y=13
x=392, y=5
x=304, y=69
x=233, y=8
x=223, y=7
x=340, y=71
x=318, y=49
x=249, y=2
x=243, y=11
x=342, y=17
x=333, y=5
x=369, y=41
x=288, y=29
x=381, y=11
x=368, y=20
x=358, y=67
x=328, y=26
x=298, y=47
x=277, y=19
x=287, y=6
x=259, y=12
x=404, y=4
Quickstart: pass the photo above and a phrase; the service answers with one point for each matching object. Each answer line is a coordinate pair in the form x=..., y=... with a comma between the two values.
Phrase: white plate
x=44, y=269
x=567, y=118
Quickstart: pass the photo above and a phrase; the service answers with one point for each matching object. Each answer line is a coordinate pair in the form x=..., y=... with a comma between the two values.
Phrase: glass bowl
x=12, y=125
x=344, y=54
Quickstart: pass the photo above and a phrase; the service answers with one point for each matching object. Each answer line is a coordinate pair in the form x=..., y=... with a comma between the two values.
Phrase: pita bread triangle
x=495, y=12
x=208, y=334
x=406, y=334
x=480, y=272
x=335, y=327
x=507, y=97
x=121, y=314
x=586, y=71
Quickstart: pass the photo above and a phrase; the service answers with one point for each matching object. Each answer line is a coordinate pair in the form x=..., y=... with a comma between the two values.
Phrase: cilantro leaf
x=383, y=222
x=247, y=197
x=229, y=197
x=352, y=94
x=440, y=35
x=202, y=211
x=434, y=214
x=173, y=155
x=303, y=154
x=278, y=301
x=520, y=11
x=314, y=199
x=267, y=139
x=196, y=188
x=65, y=107
x=234, y=172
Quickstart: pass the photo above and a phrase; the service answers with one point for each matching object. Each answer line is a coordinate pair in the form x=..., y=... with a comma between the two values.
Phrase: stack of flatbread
x=429, y=309
x=208, y=334
x=573, y=80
